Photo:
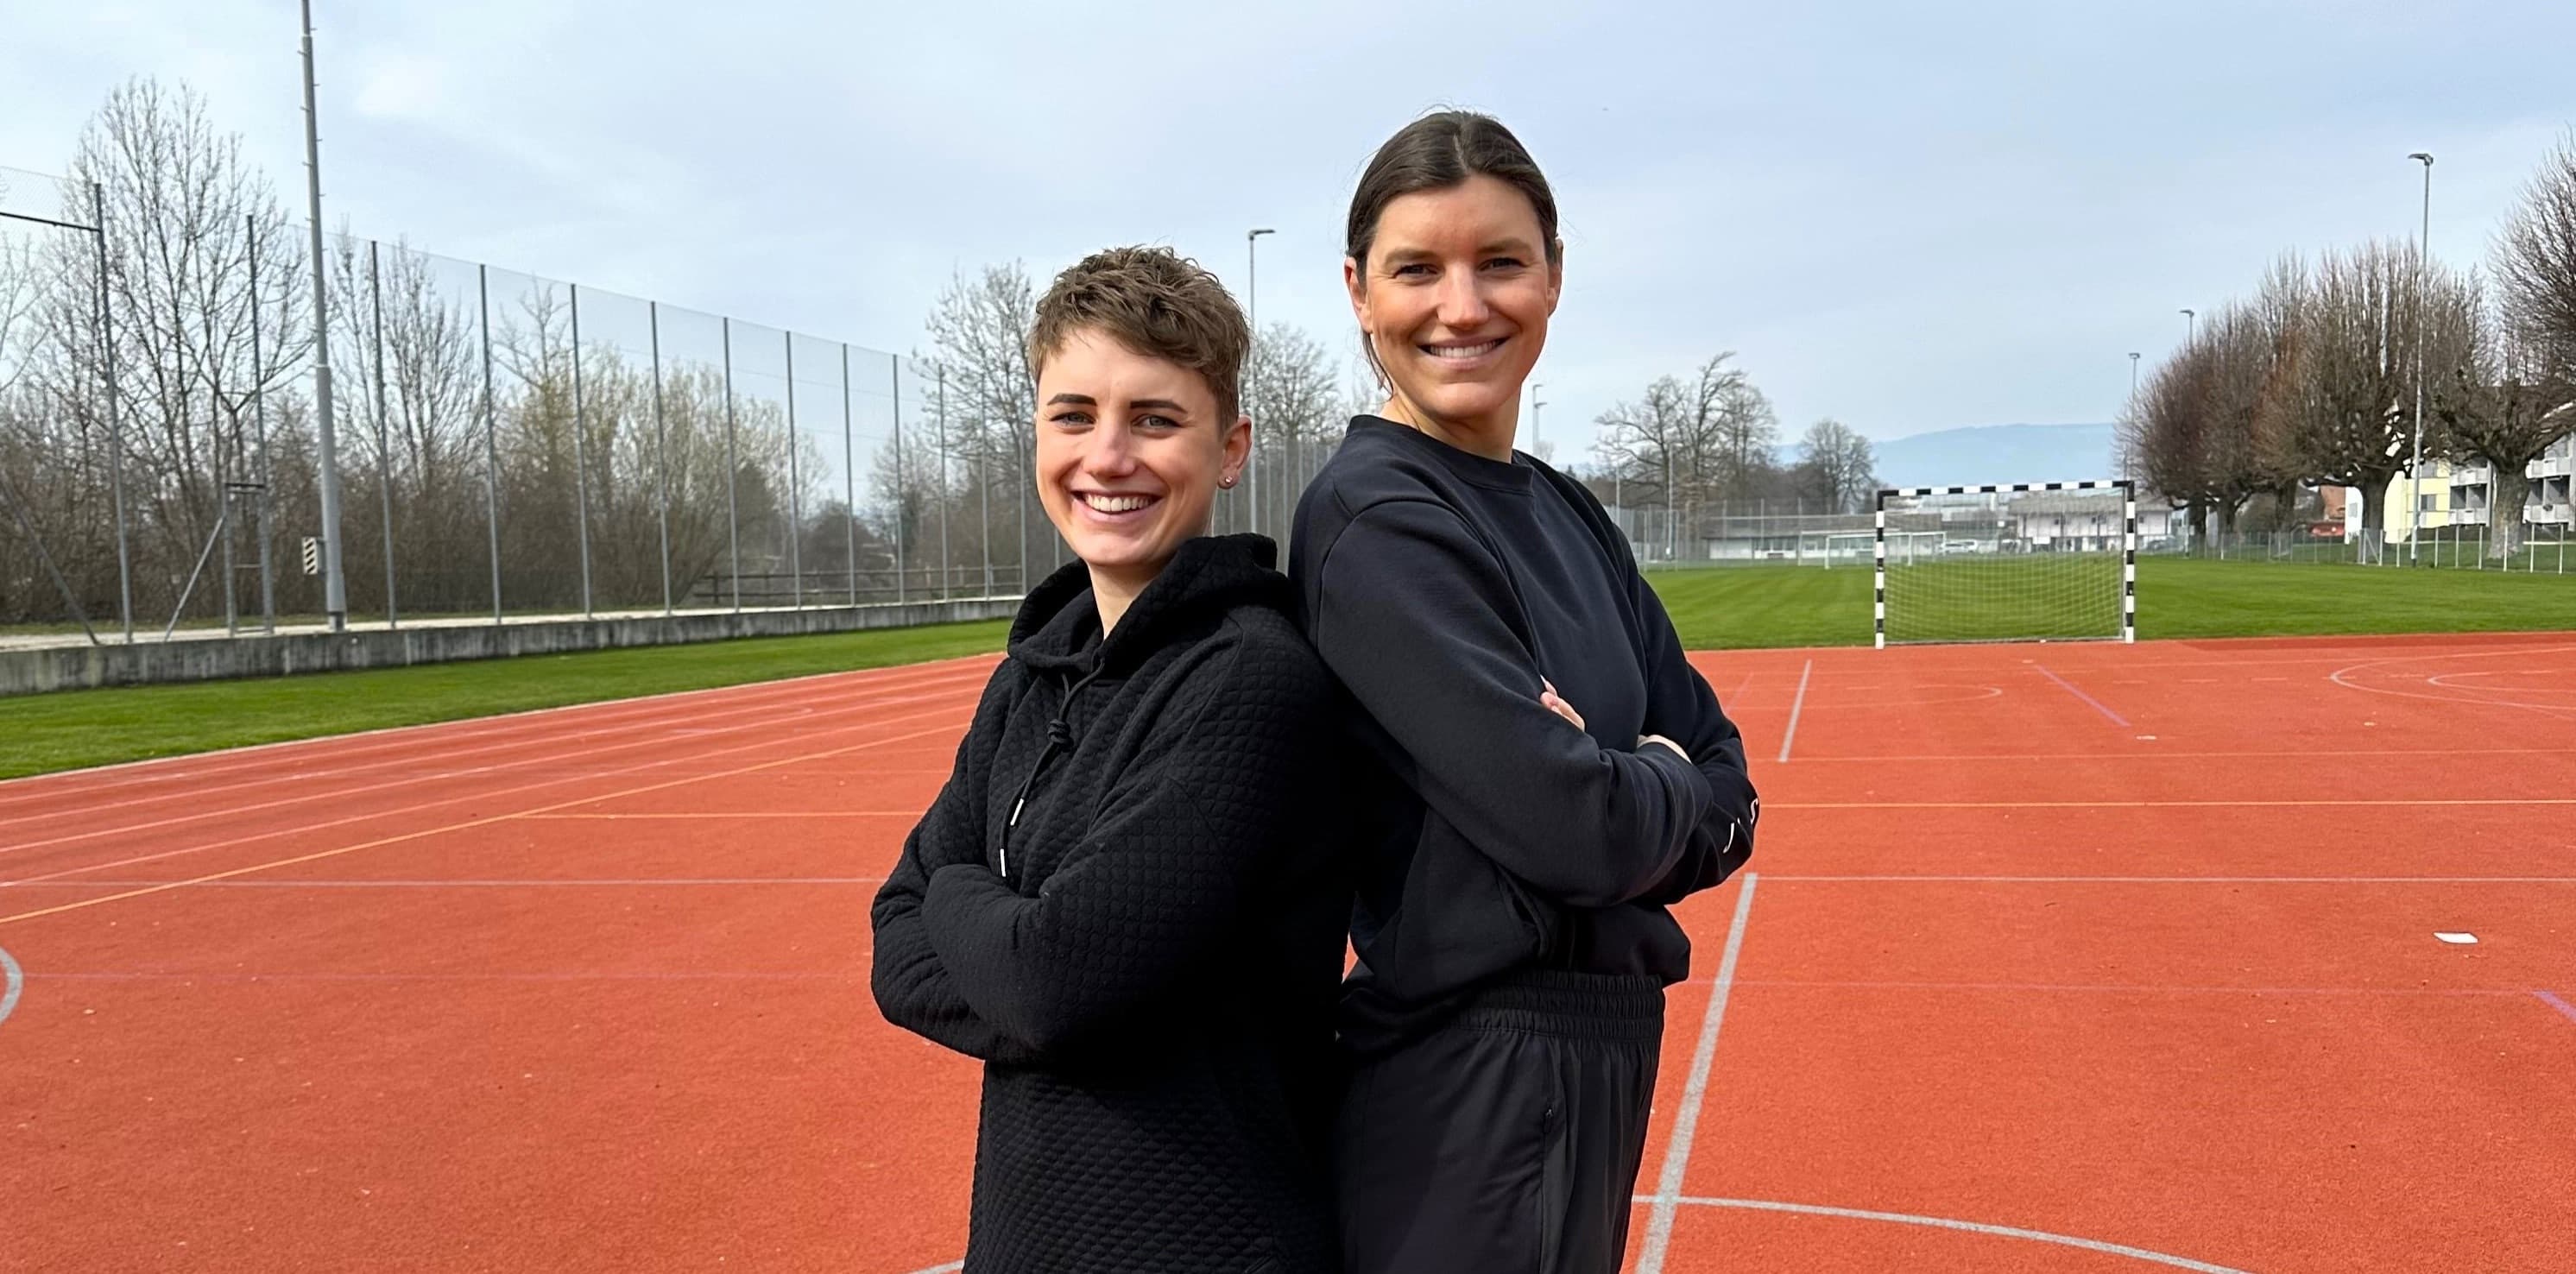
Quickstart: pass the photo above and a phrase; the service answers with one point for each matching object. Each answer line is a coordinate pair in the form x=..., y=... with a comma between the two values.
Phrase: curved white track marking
x=1971, y=1227
x=12, y=981
x=949, y=1268
x=2561, y=711
x=2452, y=680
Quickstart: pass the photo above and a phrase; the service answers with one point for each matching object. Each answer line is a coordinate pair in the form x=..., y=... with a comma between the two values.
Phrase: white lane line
x=1668, y=1186
x=1791, y=734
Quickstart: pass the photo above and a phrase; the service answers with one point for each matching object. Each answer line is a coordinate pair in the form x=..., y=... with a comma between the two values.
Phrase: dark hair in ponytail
x=1436, y=152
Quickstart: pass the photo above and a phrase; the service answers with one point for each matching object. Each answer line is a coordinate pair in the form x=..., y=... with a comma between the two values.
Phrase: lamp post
x=2190, y=326
x=2128, y=462
x=2423, y=277
x=1535, y=404
x=1252, y=315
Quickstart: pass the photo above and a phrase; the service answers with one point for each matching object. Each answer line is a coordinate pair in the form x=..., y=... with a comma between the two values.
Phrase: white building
x=2544, y=489
x=2081, y=521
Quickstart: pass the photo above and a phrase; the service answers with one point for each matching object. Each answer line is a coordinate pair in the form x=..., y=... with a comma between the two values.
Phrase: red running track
x=2053, y=958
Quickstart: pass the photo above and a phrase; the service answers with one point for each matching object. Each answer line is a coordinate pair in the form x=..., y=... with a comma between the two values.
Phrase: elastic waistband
x=1594, y=1006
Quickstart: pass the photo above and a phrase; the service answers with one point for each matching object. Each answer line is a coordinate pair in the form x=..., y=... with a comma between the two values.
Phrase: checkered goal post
x=2032, y=561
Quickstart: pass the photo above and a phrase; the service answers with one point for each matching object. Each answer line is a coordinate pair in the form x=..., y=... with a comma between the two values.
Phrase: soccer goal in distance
x=2032, y=561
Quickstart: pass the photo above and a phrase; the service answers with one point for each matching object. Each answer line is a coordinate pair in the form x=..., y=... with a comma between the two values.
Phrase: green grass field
x=1720, y=609
x=41, y=733
x=1713, y=609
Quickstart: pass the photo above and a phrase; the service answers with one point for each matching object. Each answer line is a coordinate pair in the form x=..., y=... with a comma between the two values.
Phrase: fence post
x=580, y=454
x=384, y=449
x=115, y=420
x=894, y=378
x=1021, y=481
x=661, y=448
x=795, y=483
x=946, y=580
x=983, y=490
x=491, y=441
x=849, y=485
x=733, y=517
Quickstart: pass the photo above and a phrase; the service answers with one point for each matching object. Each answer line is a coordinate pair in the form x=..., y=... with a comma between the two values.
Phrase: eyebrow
x=1512, y=244
x=1139, y=404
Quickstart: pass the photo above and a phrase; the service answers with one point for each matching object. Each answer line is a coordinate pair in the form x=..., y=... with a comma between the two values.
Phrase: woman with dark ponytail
x=1548, y=773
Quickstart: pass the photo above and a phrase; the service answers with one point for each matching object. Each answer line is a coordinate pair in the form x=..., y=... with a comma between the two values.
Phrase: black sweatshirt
x=1441, y=587
x=1147, y=959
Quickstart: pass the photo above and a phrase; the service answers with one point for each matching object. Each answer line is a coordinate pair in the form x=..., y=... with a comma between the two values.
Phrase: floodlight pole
x=335, y=592
x=2423, y=278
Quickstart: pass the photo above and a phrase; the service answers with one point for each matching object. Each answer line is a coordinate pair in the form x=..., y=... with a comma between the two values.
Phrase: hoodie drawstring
x=1059, y=739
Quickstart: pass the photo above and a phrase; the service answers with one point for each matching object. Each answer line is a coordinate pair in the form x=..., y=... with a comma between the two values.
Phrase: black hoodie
x=1444, y=589
x=1125, y=903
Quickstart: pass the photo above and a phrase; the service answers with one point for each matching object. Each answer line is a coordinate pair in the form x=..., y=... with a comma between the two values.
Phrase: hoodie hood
x=1057, y=631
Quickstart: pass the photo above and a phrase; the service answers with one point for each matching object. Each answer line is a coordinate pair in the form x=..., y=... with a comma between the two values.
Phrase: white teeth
x=1463, y=353
x=1117, y=503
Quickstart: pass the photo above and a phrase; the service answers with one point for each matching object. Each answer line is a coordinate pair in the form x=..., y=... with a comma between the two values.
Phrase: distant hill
x=1980, y=454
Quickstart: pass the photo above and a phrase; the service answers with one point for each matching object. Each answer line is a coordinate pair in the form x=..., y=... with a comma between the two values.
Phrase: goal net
x=2039, y=561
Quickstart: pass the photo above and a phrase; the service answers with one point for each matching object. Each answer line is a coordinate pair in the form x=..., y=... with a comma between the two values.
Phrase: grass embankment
x=40, y=733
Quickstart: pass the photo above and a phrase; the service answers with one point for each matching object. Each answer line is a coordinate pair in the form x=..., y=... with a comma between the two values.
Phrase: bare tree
x=2504, y=406
x=1647, y=444
x=2349, y=418
x=2170, y=425
x=20, y=290
x=1693, y=443
x=203, y=283
x=1733, y=431
x=1297, y=407
x=979, y=337
x=1837, y=466
x=2535, y=262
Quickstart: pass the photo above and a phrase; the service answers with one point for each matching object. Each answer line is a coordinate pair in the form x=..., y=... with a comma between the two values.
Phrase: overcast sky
x=1898, y=215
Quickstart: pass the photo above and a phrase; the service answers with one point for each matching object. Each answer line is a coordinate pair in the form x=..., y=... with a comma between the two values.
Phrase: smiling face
x=1131, y=452
x=1455, y=297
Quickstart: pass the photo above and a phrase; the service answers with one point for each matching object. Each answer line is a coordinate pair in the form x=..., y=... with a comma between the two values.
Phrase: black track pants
x=1507, y=1141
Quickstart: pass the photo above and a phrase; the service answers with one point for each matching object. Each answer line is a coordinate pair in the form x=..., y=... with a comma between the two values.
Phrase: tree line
x=1711, y=441
x=2320, y=376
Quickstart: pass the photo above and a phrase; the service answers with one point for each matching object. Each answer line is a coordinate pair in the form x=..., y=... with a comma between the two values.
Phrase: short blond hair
x=1157, y=303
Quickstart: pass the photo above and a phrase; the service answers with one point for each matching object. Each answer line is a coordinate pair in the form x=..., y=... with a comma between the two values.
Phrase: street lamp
x=1535, y=404
x=2423, y=264
x=2190, y=326
x=1252, y=315
x=2133, y=374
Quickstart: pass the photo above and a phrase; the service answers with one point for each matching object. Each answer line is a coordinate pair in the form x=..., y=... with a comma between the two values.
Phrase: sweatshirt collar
x=1513, y=475
x=1058, y=627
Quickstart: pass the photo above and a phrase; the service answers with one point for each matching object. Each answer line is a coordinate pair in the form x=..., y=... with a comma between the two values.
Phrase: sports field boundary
x=42, y=669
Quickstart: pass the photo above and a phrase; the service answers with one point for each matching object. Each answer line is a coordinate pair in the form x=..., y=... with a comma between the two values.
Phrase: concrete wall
x=85, y=667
